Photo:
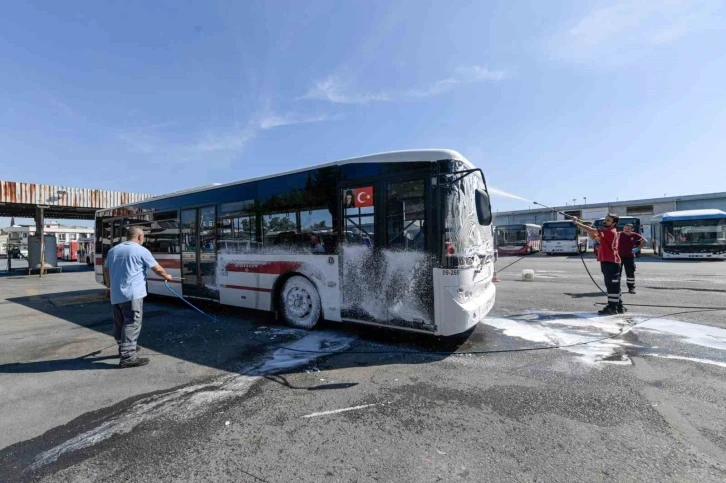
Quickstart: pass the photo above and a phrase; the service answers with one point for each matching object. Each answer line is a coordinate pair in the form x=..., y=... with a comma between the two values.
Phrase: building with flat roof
x=17, y=235
x=643, y=209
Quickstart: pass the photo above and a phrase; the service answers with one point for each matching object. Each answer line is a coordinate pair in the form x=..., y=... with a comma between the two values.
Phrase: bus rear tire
x=299, y=303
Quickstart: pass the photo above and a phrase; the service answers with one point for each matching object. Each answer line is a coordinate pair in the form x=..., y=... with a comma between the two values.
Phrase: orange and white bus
x=400, y=239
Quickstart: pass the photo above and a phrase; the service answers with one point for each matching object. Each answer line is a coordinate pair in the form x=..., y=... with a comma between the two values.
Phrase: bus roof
x=707, y=214
x=550, y=222
x=405, y=156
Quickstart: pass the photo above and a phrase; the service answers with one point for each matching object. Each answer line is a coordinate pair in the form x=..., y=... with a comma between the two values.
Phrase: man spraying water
x=609, y=260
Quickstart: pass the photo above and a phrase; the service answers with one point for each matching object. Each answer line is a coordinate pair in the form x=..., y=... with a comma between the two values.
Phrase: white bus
x=562, y=237
x=690, y=234
x=404, y=241
x=86, y=250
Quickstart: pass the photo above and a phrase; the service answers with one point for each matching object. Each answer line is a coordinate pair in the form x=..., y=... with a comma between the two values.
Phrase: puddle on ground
x=612, y=340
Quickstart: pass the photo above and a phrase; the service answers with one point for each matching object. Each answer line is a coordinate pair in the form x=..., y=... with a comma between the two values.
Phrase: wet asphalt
x=226, y=404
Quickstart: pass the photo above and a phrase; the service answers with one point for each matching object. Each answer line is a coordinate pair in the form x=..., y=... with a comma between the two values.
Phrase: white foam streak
x=692, y=359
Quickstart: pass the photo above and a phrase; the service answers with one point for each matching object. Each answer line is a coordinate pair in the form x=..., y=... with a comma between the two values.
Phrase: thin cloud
x=148, y=140
x=332, y=89
x=272, y=120
x=462, y=75
x=621, y=33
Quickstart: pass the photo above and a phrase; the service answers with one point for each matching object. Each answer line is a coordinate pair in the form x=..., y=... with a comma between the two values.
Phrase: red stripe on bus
x=270, y=268
x=251, y=289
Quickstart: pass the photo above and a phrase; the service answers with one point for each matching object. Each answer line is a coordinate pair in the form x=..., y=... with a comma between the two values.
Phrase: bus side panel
x=172, y=265
x=98, y=268
x=248, y=280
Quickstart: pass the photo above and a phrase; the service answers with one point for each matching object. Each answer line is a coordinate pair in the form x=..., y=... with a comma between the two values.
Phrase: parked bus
x=406, y=236
x=624, y=220
x=562, y=237
x=86, y=249
x=690, y=234
x=69, y=251
x=518, y=239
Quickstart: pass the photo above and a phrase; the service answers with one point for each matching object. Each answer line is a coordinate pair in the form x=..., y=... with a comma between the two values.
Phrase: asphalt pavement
x=638, y=397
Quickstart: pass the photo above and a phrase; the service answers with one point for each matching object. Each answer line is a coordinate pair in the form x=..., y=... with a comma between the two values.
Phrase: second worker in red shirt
x=629, y=244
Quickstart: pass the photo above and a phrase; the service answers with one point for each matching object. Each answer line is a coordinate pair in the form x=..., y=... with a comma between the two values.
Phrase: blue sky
x=616, y=99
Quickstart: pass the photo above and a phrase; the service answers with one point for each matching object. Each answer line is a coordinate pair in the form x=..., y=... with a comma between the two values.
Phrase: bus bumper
x=463, y=298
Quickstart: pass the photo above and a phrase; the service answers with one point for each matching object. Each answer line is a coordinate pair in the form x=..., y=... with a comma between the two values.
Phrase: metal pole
x=39, y=225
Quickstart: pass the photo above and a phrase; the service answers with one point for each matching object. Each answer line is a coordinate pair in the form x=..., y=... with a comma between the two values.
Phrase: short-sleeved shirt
x=128, y=264
x=627, y=242
x=608, y=248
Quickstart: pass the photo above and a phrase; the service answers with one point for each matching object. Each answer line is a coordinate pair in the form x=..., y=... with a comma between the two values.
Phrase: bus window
x=405, y=215
x=358, y=215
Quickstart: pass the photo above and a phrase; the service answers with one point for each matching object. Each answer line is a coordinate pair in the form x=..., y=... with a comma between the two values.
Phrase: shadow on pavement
x=253, y=345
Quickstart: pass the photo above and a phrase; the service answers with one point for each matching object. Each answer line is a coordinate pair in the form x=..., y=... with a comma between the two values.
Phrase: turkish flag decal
x=364, y=197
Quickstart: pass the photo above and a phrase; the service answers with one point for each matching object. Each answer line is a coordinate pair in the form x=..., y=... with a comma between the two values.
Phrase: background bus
x=562, y=237
x=86, y=249
x=518, y=239
x=68, y=251
x=690, y=234
x=407, y=241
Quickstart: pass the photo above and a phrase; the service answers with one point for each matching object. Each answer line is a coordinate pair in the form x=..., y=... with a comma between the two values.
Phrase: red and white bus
x=400, y=239
x=69, y=251
x=518, y=239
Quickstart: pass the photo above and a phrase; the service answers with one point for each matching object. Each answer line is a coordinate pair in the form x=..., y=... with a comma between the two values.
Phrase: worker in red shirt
x=609, y=261
x=629, y=244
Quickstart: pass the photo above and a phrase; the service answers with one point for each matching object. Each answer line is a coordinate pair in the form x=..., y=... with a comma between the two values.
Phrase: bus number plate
x=451, y=272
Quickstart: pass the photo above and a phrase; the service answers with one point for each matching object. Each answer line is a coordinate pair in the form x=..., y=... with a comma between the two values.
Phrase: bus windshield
x=559, y=231
x=692, y=233
x=511, y=235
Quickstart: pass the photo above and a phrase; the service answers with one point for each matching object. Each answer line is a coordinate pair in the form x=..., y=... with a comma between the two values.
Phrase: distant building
x=643, y=209
x=18, y=234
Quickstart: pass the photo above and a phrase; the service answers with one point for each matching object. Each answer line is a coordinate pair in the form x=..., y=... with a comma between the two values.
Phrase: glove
x=636, y=250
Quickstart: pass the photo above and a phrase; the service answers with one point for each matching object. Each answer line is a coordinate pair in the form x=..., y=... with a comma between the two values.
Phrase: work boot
x=621, y=309
x=608, y=310
x=133, y=362
x=631, y=291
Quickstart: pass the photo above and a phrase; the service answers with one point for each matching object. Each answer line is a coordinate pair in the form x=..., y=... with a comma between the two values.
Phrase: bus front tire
x=300, y=304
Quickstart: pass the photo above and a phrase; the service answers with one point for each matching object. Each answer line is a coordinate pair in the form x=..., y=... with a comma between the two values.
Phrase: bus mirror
x=483, y=207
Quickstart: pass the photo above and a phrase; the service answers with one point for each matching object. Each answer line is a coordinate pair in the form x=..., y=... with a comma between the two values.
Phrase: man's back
x=127, y=264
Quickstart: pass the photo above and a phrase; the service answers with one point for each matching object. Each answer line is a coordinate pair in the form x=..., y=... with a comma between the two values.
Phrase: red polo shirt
x=626, y=243
x=608, y=248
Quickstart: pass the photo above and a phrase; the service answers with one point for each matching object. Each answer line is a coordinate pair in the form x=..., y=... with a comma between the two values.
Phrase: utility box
x=51, y=252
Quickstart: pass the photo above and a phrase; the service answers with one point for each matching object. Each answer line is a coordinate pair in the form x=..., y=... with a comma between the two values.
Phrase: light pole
x=585, y=198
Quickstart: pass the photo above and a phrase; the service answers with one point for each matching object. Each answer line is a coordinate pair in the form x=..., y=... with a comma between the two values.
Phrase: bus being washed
x=690, y=234
x=518, y=239
x=562, y=238
x=400, y=239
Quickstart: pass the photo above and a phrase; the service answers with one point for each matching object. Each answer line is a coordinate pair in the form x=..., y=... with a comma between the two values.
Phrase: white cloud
x=334, y=90
x=625, y=31
x=272, y=120
x=149, y=140
x=463, y=75
x=331, y=89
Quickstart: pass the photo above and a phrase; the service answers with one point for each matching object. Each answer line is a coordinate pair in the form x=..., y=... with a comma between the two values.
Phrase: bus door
x=358, y=242
x=199, y=252
x=384, y=237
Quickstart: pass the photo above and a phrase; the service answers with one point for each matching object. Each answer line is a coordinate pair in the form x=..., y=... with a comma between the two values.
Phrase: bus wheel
x=300, y=303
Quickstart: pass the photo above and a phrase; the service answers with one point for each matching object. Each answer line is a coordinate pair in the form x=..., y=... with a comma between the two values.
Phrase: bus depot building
x=644, y=209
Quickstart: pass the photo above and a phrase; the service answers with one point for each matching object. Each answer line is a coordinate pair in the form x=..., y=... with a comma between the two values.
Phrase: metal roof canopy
x=21, y=200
